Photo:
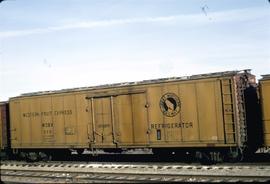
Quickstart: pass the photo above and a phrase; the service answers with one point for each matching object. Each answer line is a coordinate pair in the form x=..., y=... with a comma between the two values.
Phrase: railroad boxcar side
x=4, y=130
x=3, y=125
x=264, y=87
x=192, y=113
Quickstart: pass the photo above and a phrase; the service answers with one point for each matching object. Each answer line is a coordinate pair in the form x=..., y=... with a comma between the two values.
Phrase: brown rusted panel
x=3, y=125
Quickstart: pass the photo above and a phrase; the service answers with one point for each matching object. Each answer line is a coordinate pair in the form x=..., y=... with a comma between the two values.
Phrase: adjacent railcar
x=4, y=129
x=264, y=85
x=202, y=113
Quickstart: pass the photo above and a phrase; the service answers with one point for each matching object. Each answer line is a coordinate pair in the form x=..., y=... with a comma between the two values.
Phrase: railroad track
x=66, y=172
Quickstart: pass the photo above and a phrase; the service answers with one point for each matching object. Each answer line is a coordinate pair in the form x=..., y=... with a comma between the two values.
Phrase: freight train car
x=202, y=114
x=4, y=129
x=264, y=84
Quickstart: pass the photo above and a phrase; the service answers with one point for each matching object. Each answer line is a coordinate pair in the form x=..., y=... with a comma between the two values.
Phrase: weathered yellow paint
x=3, y=125
x=265, y=103
x=140, y=121
x=124, y=127
x=59, y=120
x=103, y=121
x=189, y=112
x=83, y=120
x=180, y=113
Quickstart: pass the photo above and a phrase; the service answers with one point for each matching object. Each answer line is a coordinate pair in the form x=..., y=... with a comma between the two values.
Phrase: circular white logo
x=170, y=104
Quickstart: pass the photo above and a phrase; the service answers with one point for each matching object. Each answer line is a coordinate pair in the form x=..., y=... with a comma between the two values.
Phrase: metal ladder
x=228, y=110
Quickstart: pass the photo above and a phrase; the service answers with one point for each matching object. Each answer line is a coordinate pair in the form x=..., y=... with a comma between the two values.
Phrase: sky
x=59, y=44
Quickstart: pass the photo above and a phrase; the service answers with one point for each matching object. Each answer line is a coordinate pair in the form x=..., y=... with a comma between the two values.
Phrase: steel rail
x=100, y=172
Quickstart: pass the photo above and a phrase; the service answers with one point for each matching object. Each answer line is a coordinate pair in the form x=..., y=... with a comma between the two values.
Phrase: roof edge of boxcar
x=144, y=82
x=265, y=77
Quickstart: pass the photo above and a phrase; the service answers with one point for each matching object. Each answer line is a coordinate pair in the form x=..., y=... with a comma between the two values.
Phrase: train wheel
x=234, y=155
x=45, y=156
x=4, y=155
x=32, y=157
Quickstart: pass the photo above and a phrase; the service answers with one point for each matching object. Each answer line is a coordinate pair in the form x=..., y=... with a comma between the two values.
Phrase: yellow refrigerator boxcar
x=182, y=112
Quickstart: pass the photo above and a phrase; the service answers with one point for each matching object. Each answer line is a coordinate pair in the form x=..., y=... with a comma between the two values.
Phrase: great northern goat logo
x=170, y=104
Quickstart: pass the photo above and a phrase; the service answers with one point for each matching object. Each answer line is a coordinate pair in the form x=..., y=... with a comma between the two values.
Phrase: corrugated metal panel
x=265, y=103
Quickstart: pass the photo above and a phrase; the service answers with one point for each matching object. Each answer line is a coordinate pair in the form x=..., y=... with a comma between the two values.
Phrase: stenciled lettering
x=47, y=113
x=47, y=124
x=63, y=112
x=104, y=126
x=171, y=125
